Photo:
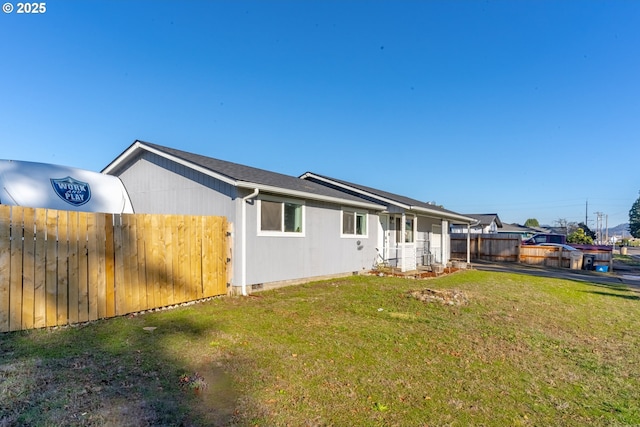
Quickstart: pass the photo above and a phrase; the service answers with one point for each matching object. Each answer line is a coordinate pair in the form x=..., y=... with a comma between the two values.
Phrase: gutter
x=243, y=255
x=309, y=195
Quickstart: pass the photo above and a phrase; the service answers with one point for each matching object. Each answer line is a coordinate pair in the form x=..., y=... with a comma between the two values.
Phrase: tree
x=587, y=230
x=579, y=237
x=634, y=219
x=531, y=222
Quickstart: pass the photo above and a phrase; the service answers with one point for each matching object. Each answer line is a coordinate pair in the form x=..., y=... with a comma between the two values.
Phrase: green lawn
x=355, y=351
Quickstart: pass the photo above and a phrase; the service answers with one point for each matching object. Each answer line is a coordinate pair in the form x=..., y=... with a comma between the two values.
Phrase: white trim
x=310, y=196
x=274, y=233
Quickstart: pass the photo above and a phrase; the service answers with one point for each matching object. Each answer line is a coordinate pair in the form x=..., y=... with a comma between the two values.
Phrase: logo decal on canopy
x=71, y=190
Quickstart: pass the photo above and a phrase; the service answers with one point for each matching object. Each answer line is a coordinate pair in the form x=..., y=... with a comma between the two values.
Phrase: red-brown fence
x=60, y=267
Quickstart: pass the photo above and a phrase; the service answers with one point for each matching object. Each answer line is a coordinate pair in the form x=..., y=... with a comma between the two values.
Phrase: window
x=354, y=223
x=408, y=230
x=280, y=217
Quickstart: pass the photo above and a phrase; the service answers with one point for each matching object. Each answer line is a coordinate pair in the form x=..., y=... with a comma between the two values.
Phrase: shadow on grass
x=610, y=294
x=112, y=372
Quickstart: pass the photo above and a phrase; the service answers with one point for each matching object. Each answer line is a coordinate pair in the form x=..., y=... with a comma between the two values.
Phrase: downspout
x=243, y=254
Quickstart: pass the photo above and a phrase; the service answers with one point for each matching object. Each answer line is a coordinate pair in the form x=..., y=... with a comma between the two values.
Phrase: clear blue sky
x=521, y=108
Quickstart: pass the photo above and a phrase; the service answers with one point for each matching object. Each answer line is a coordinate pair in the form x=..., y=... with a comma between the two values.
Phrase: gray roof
x=380, y=194
x=245, y=176
x=486, y=219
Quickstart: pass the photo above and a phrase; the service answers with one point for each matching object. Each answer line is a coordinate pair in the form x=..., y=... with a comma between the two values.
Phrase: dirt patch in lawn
x=444, y=297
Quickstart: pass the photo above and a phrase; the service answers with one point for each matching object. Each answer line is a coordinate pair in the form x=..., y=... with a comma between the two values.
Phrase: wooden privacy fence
x=508, y=247
x=60, y=267
x=489, y=247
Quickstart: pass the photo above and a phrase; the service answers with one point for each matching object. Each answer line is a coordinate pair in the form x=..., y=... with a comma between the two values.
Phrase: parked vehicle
x=545, y=238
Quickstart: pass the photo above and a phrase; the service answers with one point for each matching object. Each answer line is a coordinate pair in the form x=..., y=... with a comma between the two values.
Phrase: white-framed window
x=353, y=223
x=280, y=217
x=408, y=230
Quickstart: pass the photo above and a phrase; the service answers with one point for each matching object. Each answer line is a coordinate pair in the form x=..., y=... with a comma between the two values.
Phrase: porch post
x=403, y=230
x=468, y=243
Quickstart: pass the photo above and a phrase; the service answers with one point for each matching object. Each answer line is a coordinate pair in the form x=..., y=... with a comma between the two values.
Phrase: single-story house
x=485, y=224
x=285, y=229
x=410, y=233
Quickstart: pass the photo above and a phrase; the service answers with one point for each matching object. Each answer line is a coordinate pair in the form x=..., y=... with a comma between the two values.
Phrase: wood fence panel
x=15, y=286
x=219, y=229
x=72, y=259
x=195, y=254
x=208, y=257
x=145, y=302
x=40, y=257
x=95, y=286
x=65, y=267
x=130, y=262
x=173, y=251
x=161, y=259
x=83, y=264
x=51, y=269
x=109, y=261
x=151, y=255
x=28, y=267
x=119, y=283
x=184, y=274
x=5, y=265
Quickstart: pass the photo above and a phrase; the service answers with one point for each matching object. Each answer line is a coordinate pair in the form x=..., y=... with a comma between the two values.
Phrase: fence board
x=63, y=268
x=168, y=254
x=28, y=275
x=95, y=266
x=40, y=257
x=15, y=282
x=109, y=260
x=178, y=286
x=83, y=267
x=51, y=269
x=145, y=302
x=183, y=251
x=5, y=265
x=74, y=286
x=59, y=267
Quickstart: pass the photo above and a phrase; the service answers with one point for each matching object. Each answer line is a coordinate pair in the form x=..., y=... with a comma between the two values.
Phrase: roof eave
x=139, y=146
x=357, y=190
x=446, y=215
x=307, y=195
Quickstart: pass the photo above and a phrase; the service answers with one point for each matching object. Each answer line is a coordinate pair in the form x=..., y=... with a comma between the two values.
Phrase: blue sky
x=521, y=108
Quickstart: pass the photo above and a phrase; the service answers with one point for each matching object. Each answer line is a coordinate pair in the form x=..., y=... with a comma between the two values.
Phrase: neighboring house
x=485, y=224
x=410, y=233
x=285, y=229
x=524, y=232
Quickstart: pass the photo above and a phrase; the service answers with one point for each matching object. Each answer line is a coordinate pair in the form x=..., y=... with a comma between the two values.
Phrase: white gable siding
x=157, y=185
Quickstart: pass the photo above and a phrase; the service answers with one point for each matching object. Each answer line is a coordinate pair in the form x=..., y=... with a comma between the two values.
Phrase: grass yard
x=355, y=351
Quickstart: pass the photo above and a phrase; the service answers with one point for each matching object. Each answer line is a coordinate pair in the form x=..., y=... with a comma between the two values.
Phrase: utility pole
x=598, y=227
x=586, y=215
